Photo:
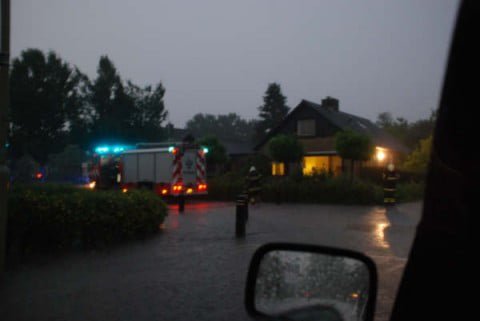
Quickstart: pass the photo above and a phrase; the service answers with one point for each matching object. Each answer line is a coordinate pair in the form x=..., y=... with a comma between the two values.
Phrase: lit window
x=278, y=169
x=314, y=165
x=306, y=127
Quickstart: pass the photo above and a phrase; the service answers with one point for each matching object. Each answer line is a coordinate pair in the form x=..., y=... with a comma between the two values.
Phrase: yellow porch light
x=380, y=154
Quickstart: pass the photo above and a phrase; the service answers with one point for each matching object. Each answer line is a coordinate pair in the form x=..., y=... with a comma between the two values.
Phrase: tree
x=420, y=130
x=45, y=96
x=217, y=154
x=114, y=108
x=80, y=113
x=408, y=133
x=354, y=147
x=125, y=112
x=418, y=160
x=229, y=127
x=397, y=127
x=286, y=149
x=273, y=110
x=149, y=111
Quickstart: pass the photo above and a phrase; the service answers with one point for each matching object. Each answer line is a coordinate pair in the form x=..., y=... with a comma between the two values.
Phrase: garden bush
x=338, y=190
x=225, y=187
x=46, y=218
x=316, y=189
x=374, y=175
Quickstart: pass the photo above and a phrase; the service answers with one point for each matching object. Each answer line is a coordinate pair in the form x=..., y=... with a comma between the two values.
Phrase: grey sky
x=218, y=56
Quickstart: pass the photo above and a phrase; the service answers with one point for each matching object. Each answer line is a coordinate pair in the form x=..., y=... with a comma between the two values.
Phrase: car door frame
x=437, y=271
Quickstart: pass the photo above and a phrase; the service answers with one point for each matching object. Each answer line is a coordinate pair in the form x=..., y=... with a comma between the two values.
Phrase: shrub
x=419, y=159
x=225, y=187
x=261, y=162
x=339, y=190
x=315, y=189
x=66, y=166
x=374, y=175
x=45, y=218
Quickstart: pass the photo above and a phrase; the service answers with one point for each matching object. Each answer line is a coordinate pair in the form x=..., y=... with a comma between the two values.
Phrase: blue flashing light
x=101, y=150
x=170, y=149
x=118, y=149
x=205, y=150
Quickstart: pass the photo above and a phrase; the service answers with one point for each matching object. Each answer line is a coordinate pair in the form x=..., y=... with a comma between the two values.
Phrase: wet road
x=195, y=269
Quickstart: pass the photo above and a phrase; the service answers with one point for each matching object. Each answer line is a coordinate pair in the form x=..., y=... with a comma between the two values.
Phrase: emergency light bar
x=110, y=149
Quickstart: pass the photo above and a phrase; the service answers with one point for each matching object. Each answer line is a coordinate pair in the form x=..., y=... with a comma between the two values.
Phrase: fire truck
x=169, y=170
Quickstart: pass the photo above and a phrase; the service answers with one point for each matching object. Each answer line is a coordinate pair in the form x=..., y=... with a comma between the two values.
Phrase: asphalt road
x=195, y=269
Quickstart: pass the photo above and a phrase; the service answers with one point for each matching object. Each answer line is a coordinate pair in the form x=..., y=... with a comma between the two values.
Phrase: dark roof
x=233, y=148
x=360, y=125
x=345, y=121
x=237, y=148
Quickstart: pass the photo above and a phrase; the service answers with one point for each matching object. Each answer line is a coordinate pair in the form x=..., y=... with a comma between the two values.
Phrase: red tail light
x=177, y=188
x=202, y=187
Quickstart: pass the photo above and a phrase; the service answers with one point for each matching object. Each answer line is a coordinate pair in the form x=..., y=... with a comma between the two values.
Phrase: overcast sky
x=218, y=56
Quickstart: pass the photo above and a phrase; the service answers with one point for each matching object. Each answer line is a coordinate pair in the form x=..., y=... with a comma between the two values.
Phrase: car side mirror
x=307, y=282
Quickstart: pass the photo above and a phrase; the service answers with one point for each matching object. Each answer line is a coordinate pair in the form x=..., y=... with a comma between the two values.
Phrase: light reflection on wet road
x=195, y=269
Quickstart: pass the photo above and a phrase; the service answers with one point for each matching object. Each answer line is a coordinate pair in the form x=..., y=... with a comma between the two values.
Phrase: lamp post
x=4, y=102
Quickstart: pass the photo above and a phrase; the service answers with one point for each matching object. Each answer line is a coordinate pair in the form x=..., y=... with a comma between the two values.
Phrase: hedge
x=320, y=189
x=338, y=190
x=375, y=175
x=46, y=218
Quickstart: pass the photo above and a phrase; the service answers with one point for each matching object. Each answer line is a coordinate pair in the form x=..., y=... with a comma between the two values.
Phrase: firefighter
x=253, y=184
x=109, y=175
x=390, y=177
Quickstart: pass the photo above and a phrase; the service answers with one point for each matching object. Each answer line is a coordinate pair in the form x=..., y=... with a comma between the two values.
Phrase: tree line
x=232, y=127
x=53, y=104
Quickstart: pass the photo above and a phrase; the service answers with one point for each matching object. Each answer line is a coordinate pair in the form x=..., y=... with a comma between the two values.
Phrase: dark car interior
x=434, y=285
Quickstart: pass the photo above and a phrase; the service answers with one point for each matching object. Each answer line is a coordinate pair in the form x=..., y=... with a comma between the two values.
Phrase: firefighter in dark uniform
x=253, y=184
x=390, y=177
x=109, y=175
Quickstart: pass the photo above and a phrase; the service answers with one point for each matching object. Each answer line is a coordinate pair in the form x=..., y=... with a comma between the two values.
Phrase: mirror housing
x=289, y=282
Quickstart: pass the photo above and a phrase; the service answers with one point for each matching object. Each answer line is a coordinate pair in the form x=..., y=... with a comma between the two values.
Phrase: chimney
x=330, y=103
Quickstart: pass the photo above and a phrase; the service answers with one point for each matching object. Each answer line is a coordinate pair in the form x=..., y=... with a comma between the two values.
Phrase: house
x=315, y=126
